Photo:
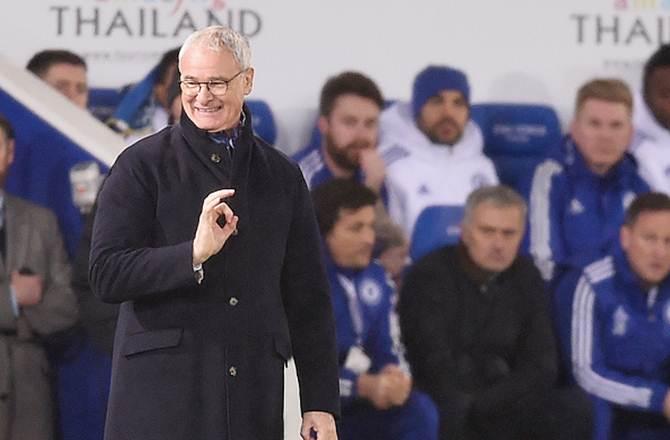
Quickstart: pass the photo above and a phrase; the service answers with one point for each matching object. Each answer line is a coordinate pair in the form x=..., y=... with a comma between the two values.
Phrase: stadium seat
x=263, y=121
x=517, y=137
x=436, y=226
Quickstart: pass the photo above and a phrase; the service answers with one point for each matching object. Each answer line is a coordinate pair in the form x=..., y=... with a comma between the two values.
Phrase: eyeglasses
x=217, y=87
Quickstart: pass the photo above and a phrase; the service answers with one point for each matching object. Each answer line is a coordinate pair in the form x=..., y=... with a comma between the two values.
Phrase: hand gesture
x=318, y=425
x=210, y=236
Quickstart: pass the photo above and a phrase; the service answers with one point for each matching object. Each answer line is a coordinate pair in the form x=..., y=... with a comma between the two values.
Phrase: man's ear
x=10, y=150
x=248, y=80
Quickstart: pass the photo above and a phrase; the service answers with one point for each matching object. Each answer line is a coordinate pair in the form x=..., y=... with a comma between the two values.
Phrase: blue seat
x=436, y=226
x=43, y=157
x=517, y=137
x=263, y=120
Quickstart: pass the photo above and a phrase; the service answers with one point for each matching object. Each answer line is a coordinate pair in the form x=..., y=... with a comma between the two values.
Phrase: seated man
x=615, y=325
x=375, y=386
x=63, y=70
x=35, y=302
x=577, y=200
x=479, y=341
x=349, y=111
x=145, y=107
x=433, y=151
x=651, y=117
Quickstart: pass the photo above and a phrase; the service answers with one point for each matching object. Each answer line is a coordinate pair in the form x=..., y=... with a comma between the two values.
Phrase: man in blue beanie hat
x=438, y=86
x=433, y=152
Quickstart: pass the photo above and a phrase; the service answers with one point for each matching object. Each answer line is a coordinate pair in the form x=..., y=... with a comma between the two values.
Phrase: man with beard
x=432, y=150
x=651, y=117
x=578, y=198
x=348, y=122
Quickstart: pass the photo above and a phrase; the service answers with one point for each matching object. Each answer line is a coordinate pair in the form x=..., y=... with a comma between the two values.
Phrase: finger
x=222, y=209
x=215, y=198
x=219, y=195
x=304, y=432
x=230, y=228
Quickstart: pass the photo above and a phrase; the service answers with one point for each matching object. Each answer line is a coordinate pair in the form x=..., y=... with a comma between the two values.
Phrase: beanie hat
x=434, y=79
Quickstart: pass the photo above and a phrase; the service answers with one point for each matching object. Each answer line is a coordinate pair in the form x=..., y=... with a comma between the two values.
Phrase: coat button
x=232, y=371
x=215, y=158
x=233, y=301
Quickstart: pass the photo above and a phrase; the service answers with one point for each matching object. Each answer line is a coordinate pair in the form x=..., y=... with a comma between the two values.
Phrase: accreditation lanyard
x=354, y=307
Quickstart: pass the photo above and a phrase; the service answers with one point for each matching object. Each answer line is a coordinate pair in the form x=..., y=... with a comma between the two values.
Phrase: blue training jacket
x=616, y=335
x=575, y=214
x=375, y=297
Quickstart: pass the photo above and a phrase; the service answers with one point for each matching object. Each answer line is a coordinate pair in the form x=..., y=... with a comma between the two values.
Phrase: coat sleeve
x=589, y=366
x=123, y=264
x=535, y=365
x=98, y=318
x=306, y=298
x=58, y=309
x=545, y=214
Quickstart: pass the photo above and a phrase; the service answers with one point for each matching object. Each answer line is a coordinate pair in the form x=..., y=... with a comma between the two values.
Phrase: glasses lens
x=190, y=88
x=218, y=87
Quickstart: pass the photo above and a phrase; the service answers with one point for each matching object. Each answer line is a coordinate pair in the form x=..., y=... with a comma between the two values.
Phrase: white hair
x=217, y=38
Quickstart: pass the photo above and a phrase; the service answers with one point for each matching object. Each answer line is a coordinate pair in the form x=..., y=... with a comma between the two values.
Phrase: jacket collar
x=576, y=165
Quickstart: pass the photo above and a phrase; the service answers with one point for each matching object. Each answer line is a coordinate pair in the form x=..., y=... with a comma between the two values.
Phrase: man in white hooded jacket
x=651, y=118
x=433, y=151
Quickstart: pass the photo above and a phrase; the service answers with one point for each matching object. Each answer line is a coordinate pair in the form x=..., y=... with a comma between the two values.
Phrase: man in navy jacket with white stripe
x=614, y=324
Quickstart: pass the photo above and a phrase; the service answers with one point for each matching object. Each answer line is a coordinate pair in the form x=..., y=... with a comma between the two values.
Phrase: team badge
x=620, y=322
x=576, y=207
x=371, y=292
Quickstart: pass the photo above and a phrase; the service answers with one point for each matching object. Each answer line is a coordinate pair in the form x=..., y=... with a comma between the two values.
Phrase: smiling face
x=208, y=111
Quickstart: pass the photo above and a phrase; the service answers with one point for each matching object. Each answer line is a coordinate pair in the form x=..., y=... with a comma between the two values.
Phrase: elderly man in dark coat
x=207, y=237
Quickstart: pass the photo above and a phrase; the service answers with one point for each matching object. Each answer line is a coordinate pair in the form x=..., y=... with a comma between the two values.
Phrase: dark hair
x=336, y=195
x=169, y=58
x=348, y=83
x=6, y=127
x=647, y=202
x=42, y=61
x=660, y=58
